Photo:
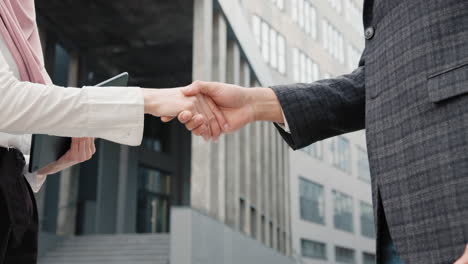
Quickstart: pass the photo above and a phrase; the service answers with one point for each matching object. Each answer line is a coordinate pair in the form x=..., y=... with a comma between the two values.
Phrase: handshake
x=210, y=109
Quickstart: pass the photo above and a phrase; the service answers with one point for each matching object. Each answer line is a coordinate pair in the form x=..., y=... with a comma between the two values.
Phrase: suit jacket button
x=369, y=33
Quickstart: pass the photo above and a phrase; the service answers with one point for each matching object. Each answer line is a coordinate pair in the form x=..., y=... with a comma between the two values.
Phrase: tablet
x=47, y=149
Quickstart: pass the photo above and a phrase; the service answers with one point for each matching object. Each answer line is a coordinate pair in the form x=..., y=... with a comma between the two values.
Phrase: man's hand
x=82, y=149
x=463, y=259
x=238, y=105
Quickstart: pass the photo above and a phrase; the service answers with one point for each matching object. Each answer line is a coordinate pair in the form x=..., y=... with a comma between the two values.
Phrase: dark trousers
x=18, y=212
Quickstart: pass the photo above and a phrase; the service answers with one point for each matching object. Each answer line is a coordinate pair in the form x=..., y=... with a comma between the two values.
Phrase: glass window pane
x=312, y=202
x=313, y=249
x=273, y=49
x=296, y=68
x=307, y=17
x=265, y=41
x=294, y=10
x=281, y=54
x=344, y=255
x=256, y=29
x=367, y=220
x=301, y=13
x=368, y=258
x=343, y=211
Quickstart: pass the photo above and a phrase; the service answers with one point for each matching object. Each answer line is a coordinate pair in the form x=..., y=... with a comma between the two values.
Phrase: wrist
x=265, y=104
x=150, y=100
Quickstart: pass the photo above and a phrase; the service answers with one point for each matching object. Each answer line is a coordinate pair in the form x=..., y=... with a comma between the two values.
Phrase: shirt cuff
x=284, y=126
x=116, y=114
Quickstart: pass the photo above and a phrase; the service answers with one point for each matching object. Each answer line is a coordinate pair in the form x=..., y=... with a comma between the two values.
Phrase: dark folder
x=47, y=149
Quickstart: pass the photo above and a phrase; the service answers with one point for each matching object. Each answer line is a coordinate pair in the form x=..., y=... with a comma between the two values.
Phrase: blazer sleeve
x=324, y=108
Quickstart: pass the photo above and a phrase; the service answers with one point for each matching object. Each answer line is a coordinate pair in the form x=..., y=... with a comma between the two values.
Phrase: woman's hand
x=81, y=149
x=198, y=112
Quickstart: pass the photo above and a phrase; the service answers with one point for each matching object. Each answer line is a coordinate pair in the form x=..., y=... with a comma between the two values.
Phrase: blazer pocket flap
x=448, y=83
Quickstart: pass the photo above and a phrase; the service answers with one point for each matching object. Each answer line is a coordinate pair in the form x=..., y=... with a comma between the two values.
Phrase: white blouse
x=112, y=113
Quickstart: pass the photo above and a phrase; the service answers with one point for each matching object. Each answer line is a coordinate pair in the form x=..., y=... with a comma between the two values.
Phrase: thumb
x=206, y=88
x=192, y=89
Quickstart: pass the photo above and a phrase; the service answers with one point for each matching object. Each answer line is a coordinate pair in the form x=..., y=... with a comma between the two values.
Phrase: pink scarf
x=20, y=32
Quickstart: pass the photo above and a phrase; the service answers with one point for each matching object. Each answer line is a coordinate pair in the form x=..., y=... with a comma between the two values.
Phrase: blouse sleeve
x=111, y=113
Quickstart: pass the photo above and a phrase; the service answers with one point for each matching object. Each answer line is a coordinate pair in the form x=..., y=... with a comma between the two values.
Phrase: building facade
x=173, y=183
x=331, y=211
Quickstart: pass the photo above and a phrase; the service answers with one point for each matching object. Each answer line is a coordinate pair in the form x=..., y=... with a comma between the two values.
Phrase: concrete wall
x=199, y=239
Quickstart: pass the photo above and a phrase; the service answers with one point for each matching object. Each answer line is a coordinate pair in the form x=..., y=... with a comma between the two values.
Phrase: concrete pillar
x=202, y=70
x=266, y=179
x=246, y=153
x=232, y=144
x=274, y=183
x=218, y=150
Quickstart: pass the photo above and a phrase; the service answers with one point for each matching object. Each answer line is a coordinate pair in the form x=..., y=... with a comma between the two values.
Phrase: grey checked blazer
x=410, y=92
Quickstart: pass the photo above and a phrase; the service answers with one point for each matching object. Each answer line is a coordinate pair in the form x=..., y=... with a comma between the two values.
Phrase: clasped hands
x=210, y=109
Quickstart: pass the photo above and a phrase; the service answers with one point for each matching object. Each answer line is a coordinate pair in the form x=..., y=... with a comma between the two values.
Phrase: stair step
x=115, y=249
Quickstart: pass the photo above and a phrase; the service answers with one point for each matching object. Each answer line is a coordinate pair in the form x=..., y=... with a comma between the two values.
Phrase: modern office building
x=175, y=199
x=331, y=211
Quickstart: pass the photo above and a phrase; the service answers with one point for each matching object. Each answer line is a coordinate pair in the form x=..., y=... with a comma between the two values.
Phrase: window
x=242, y=215
x=296, y=65
x=253, y=222
x=271, y=235
x=262, y=229
x=281, y=54
x=341, y=153
x=313, y=249
x=315, y=150
x=344, y=255
x=265, y=41
x=304, y=68
x=272, y=44
x=367, y=220
x=343, y=211
x=312, y=202
x=153, y=201
x=333, y=41
x=273, y=49
x=363, y=165
x=305, y=15
x=368, y=258
x=294, y=11
x=256, y=29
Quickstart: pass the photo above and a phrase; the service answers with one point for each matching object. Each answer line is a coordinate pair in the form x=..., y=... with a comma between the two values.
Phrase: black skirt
x=18, y=211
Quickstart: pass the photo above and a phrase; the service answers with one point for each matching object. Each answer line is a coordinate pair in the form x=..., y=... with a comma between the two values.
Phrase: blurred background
x=176, y=199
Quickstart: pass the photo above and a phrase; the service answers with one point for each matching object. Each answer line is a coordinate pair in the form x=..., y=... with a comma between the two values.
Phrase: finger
x=185, y=117
x=196, y=122
x=82, y=150
x=93, y=146
x=89, y=152
x=166, y=119
x=214, y=126
x=223, y=124
x=199, y=109
x=211, y=119
x=200, y=130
